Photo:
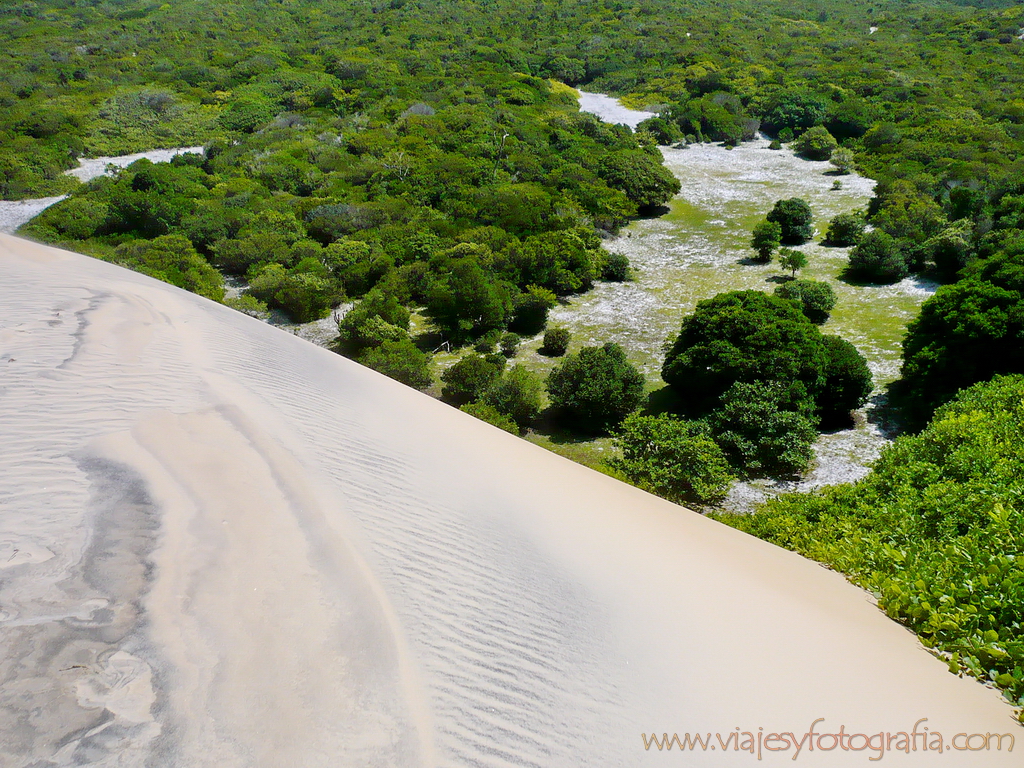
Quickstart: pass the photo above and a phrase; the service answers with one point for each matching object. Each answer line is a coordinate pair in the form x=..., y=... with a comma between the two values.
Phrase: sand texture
x=221, y=545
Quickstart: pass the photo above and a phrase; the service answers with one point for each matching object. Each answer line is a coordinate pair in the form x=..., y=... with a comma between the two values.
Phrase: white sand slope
x=223, y=546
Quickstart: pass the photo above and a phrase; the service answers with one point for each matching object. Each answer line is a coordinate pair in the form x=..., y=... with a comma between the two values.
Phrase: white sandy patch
x=610, y=110
x=308, y=564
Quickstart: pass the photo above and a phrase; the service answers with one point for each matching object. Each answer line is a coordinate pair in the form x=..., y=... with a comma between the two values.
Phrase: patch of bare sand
x=230, y=547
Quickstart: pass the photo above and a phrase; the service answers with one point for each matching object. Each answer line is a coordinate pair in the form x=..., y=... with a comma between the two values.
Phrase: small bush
x=596, y=388
x=615, y=268
x=672, y=458
x=556, y=342
x=766, y=430
x=815, y=298
x=401, y=361
x=794, y=217
x=877, y=258
x=846, y=229
x=517, y=394
x=509, y=344
x=491, y=415
x=468, y=379
x=248, y=304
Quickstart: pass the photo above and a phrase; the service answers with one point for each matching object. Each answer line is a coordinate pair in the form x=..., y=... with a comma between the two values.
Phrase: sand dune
x=223, y=546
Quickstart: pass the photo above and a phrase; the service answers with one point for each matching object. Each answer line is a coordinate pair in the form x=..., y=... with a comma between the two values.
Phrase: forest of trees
x=427, y=163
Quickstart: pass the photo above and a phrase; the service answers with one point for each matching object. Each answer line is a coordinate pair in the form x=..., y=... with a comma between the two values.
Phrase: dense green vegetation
x=935, y=532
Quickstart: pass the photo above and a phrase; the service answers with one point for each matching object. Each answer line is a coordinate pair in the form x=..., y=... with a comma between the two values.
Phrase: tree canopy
x=596, y=388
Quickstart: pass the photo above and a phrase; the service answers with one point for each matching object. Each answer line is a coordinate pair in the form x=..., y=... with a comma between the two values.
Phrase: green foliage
x=673, y=458
x=792, y=259
x=469, y=379
x=845, y=230
x=952, y=249
x=509, y=344
x=516, y=394
x=248, y=114
x=664, y=131
x=766, y=429
x=615, y=268
x=766, y=238
x=596, y=388
x=304, y=295
x=794, y=217
x=966, y=333
x=877, y=258
x=815, y=298
x=716, y=116
x=641, y=175
x=172, y=258
x=745, y=336
x=906, y=213
x=248, y=304
x=793, y=109
x=491, y=415
x=842, y=160
x=400, y=360
x=848, y=381
x=77, y=218
x=556, y=342
x=379, y=317
x=934, y=531
x=816, y=144
x=531, y=309
x=464, y=301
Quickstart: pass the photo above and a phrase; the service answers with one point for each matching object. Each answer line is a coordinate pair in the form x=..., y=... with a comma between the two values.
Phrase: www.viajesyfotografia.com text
x=760, y=743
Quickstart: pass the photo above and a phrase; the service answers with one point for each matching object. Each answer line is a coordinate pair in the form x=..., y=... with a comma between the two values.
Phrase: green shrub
x=248, y=304
x=616, y=268
x=469, y=379
x=877, y=258
x=379, y=317
x=848, y=381
x=172, y=258
x=672, y=458
x=491, y=415
x=794, y=217
x=766, y=429
x=596, y=388
x=815, y=143
x=305, y=296
x=742, y=336
x=401, y=361
x=766, y=238
x=964, y=334
x=517, y=394
x=815, y=298
x=556, y=342
x=845, y=229
x=531, y=309
x=509, y=344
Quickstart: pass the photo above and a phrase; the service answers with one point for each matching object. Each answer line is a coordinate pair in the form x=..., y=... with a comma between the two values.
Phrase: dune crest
x=229, y=547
